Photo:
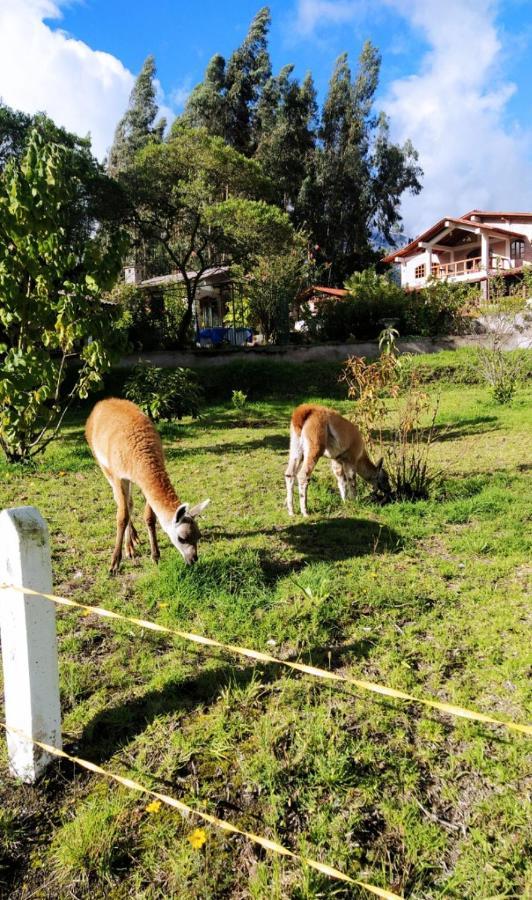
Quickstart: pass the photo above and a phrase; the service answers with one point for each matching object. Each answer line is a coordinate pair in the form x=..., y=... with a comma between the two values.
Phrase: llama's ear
x=198, y=508
x=380, y=462
x=180, y=512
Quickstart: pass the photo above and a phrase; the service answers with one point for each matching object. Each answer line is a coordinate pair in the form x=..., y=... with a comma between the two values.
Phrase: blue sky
x=455, y=75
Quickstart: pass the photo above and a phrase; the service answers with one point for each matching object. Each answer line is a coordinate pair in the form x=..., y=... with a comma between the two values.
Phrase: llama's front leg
x=151, y=521
x=350, y=475
x=338, y=471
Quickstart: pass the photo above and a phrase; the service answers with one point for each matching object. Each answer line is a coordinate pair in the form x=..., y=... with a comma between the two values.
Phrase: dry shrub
x=403, y=435
x=503, y=372
x=370, y=384
x=407, y=455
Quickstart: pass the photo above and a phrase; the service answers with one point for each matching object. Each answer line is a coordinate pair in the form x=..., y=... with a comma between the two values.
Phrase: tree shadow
x=449, y=432
x=117, y=725
x=227, y=419
x=276, y=442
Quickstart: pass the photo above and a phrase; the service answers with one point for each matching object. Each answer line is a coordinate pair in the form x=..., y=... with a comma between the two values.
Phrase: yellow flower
x=197, y=838
x=154, y=806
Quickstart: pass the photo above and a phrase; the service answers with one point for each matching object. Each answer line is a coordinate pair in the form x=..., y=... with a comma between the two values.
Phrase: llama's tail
x=300, y=416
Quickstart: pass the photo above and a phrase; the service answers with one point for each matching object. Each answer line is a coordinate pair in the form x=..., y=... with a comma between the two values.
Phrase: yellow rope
x=207, y=817
x=371, y=686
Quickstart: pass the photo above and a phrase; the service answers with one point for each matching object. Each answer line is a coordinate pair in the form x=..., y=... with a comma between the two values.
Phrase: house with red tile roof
x=314, y=295
x=469, y=248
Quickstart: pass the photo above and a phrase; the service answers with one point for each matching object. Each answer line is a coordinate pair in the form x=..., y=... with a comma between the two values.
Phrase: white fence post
x=29, y=641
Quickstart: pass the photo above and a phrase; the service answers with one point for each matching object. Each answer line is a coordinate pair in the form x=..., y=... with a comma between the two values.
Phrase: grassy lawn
x=429, y=597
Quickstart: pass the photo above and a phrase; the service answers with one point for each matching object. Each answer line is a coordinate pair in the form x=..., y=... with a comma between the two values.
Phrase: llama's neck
x=366, y=468
x=160, y=494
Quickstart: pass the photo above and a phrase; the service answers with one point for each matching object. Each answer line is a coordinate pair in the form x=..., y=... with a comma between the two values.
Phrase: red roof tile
x=332, y=292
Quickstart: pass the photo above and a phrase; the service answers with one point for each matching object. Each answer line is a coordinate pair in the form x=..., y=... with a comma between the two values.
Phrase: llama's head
x=381, y=481
x=184, y=531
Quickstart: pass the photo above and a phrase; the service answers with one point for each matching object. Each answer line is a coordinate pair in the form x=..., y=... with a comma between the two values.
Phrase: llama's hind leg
x=312, y=456
x=294, y=463
x=122, y=519
x=132, y=538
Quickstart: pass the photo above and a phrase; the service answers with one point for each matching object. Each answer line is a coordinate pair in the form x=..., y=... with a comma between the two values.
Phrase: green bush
x=151, y=321
x=375, y=299
x=164, y=393
x=437, y=309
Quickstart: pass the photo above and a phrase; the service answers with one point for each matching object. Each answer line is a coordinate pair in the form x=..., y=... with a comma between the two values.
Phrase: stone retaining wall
x=317, y=352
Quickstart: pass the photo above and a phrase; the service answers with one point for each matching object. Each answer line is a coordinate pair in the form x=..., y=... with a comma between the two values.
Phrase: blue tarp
x=218, y=334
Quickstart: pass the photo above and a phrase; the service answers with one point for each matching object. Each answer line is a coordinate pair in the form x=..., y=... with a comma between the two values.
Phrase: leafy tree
x=272, y=286
x=206, y=105
x=373, y=300
x=98, y=198
x=247, y=71
x=203, y=204
x=225, y=102
x=351, y=195
x=248, y=229
x=137, y=127
x=55, y=258
x=286, y=134
x=15, y=128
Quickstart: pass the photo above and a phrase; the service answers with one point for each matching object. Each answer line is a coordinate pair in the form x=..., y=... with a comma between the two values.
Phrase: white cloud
x=82, y=89
x=313, y=13
x=453, y=106
x=453, y=109
x=180, y=94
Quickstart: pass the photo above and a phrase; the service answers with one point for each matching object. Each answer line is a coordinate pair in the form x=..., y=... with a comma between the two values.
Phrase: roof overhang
x=437, y=232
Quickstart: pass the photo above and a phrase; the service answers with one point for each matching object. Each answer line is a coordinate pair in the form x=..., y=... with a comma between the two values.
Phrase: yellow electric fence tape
x=371, y=686
x=213, y=820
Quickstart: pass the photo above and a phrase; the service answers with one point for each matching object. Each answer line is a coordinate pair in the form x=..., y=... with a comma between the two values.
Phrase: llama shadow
x=341, y=538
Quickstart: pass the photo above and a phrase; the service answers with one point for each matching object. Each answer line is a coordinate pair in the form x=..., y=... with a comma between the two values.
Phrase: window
x=517, y=249
x=420, y=271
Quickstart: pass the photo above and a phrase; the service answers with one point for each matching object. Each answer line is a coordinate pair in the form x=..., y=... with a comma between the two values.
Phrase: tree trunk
x=185, y=323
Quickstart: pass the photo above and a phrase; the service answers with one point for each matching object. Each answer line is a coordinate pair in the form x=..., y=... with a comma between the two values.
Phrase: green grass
x=429, y=597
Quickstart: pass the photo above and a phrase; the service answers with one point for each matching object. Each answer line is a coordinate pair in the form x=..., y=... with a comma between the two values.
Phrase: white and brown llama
x=317, y=431
x=129, y=451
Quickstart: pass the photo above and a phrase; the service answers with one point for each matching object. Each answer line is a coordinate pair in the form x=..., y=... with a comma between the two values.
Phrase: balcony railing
x=470, y=266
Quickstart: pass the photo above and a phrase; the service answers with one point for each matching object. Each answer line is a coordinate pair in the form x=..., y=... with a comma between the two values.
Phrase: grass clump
x=95, y=844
